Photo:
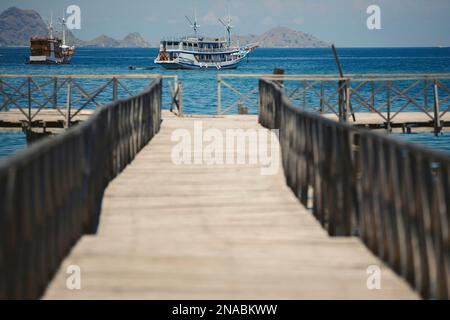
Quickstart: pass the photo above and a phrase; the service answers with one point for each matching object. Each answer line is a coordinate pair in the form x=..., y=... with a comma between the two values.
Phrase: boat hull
x=189, y=63
x=48, y=62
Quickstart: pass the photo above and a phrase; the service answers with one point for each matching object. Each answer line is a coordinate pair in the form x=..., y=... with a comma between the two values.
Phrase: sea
x=200, y=86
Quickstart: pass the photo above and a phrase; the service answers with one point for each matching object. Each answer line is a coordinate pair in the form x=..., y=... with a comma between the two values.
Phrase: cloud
x=297, y=20
x=210, y=18
x=234, y=19
x=151, y=19
x=267, y=21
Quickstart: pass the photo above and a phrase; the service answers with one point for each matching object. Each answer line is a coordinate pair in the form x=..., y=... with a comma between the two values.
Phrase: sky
x=404, y=23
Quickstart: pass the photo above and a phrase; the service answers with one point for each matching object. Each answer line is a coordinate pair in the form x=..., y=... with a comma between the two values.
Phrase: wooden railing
x=394, y=195
x=51, y=193
x=384, y=96
x=71, y=94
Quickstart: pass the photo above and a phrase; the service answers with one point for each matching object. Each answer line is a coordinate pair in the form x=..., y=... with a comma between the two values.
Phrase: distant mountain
x=282, y=37
x=102, y=42
x=134, y=40
x=17, y=26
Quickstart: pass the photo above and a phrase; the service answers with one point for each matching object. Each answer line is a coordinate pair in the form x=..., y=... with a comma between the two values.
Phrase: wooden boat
x=202, y=53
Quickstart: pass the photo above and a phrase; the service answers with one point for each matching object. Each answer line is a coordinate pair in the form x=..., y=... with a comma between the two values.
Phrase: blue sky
x=404, y=22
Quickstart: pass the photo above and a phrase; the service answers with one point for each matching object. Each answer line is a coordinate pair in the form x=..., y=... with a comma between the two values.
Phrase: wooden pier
x=48, y=119
x=214, y=232
x=107, y=196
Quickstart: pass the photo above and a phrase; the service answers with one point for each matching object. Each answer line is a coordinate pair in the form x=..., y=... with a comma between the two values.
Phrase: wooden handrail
x=394, y=195
x=31, y=96
x=51, y=192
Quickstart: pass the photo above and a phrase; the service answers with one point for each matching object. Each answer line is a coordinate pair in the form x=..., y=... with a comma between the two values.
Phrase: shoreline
x=275, y=48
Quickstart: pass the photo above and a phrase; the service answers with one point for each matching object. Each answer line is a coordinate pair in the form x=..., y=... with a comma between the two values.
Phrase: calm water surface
x=200, y=86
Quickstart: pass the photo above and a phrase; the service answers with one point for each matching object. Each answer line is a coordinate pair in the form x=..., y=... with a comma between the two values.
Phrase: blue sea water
x=200, y=86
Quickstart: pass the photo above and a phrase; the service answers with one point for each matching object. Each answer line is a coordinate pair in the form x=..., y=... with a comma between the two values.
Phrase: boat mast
x=63, y=24
x=50, y=26
x=194, y=25
x=228, y=26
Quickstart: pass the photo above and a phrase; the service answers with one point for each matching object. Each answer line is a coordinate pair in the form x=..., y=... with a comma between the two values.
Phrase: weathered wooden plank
x=213, y=232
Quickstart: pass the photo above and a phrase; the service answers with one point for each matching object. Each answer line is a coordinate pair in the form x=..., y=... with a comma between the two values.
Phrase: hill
x=282, y=37
x=17, y=26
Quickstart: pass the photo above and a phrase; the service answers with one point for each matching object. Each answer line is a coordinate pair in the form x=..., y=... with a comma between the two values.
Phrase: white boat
x=202, y=53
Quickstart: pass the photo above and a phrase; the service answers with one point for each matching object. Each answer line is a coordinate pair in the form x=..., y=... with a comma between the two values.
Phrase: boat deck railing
x=204, y=50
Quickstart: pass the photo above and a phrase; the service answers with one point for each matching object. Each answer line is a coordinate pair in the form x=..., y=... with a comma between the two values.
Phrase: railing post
x=29, y=102
x=425, y=94
x=219, y=95
x=68, y=103
x=305, y=83
x=373, y=95
x=344, y=101
x=340, y=100
x=176, y=92
x=3, y=97
x=322, y=93
x=347, y=99
x=437, y=120
x=180, y=97
x=388, y=103
x=115, y=88
x=55, y=93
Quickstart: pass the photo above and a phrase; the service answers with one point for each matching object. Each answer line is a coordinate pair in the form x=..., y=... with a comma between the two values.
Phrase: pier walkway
x=214, y=232
x=106, y=197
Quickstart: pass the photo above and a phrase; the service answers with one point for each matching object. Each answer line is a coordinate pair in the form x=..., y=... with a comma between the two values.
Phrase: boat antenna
x=228, y=26
x=194, y=25
x=50, y=26
x=63, y=24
